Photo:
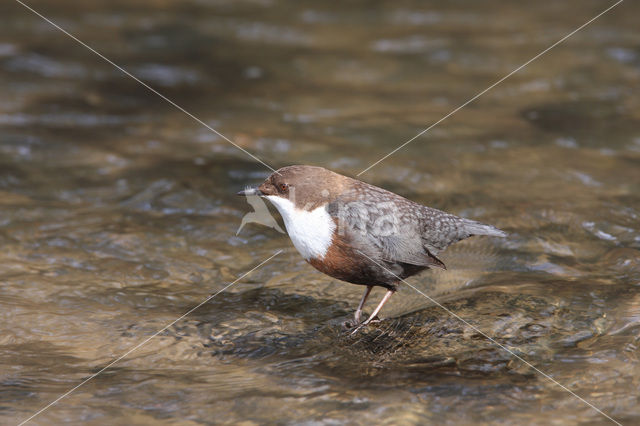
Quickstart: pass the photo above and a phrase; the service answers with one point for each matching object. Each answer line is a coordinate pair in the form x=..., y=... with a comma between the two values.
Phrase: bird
x=360, y=233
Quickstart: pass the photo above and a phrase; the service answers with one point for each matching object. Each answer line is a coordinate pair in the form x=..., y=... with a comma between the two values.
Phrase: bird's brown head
x=307, y=187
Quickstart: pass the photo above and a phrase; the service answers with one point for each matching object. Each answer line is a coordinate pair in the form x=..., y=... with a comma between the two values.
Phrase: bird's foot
x=356, y=327
x=356, y=321
x=375, y=320
x=355, y=330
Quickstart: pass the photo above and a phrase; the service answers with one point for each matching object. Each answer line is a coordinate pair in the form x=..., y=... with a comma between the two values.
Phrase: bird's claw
x=356, y=327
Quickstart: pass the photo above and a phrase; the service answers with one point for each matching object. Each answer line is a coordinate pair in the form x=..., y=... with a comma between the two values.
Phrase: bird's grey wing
x=387, y=230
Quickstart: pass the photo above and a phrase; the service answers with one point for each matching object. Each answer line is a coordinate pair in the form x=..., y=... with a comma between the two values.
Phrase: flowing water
x=118, y=213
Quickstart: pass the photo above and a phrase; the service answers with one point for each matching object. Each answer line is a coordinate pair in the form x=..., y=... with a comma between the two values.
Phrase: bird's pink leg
x=364, y=299
x=382, y=302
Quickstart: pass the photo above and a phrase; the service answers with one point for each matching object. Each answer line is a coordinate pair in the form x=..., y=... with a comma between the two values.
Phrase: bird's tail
x=478, y=228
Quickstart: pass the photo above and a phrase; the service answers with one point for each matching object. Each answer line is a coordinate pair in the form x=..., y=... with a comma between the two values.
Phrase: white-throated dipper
x=359, y=233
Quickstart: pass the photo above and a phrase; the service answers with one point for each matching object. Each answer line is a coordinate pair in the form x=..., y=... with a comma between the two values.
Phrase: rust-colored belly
x=345, y=263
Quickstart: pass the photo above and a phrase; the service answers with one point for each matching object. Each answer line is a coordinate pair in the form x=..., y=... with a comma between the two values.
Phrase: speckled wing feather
x=386, y=224
x=398, y=230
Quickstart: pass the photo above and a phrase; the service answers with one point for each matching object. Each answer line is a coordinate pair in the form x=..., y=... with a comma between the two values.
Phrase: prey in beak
x=260, y=213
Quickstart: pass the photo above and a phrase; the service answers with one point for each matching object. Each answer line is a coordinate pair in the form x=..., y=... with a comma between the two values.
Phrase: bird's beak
x=250, y=191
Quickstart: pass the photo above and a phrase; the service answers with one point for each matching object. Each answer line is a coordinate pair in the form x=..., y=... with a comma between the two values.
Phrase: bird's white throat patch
x=310, y=231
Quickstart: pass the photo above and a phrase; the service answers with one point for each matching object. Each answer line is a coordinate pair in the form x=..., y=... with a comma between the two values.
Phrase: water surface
x=118, y=213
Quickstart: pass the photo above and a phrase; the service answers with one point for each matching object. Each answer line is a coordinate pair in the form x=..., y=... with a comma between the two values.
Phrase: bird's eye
x=283, y=187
